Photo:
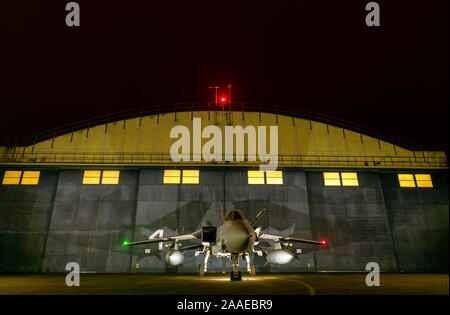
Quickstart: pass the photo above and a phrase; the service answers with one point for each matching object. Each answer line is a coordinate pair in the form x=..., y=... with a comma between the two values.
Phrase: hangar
x=73, y=194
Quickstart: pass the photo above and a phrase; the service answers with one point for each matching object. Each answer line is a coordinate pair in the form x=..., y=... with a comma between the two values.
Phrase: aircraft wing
x=276, y=238
x=176, y=238
x=192, y=247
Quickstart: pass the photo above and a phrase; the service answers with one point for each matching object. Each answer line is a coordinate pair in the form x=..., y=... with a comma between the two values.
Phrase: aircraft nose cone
x=237, y=237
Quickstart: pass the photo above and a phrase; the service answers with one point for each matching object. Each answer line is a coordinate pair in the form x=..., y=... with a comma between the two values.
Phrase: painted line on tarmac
x=310, y=288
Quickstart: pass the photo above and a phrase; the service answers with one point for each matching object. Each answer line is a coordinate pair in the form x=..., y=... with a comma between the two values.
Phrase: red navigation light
x=223, y=99
x=324, y=242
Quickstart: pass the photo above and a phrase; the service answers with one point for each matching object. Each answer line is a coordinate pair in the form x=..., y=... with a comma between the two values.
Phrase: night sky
x=314, y=55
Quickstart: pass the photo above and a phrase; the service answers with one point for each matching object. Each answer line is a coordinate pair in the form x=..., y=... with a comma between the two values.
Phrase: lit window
x=406, y=180
x=171, y=176
x=91, y=177
x=11, y=178
x=255, y=177
x=110, y=177
x=274, y=177
x=331, y=179
x=191, y=176
x=30, y=177
x=424, y=180
x=349, y=179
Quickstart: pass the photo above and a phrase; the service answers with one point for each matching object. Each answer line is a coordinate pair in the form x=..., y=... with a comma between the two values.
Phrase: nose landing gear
x=235, y=273
x=235, y=276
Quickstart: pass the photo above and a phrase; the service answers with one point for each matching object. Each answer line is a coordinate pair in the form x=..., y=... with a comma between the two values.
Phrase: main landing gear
x=250, y=267
x=203, y=267
x=235, y=275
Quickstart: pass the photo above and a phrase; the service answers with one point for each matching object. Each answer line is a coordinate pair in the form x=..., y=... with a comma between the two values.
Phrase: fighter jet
x=234, y=238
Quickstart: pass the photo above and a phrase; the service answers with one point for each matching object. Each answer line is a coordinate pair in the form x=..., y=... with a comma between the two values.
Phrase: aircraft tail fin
x=258, y=216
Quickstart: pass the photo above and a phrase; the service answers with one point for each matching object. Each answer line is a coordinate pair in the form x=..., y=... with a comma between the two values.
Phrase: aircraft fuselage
x=234, y=236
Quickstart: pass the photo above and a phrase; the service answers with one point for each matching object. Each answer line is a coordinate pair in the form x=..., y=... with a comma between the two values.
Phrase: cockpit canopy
x=234, y=214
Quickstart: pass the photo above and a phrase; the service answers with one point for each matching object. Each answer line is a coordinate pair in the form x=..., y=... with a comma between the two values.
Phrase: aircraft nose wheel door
x=252, y=269
x=235, y=273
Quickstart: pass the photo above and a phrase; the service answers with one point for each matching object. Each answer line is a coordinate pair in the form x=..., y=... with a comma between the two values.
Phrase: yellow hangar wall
x=151, y=134
x=149, y=137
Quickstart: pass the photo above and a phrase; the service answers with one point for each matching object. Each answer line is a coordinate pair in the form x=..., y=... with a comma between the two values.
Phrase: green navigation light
x=125, y=243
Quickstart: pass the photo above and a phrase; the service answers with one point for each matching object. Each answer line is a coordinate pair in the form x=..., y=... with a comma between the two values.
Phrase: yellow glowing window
x=349, y=179
x=110, y=177
x=274, y=177
x=424, y=180
x=91, y=177
x=406, y=180
x=171, y=176
x=30, y=177
x=331, y=179
x=191, y=176
x=11, y=178
x=255, y=177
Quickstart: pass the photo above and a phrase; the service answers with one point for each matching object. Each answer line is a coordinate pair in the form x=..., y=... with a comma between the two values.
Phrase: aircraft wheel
x=201, y=271
x=235, y=276
x=252, y=269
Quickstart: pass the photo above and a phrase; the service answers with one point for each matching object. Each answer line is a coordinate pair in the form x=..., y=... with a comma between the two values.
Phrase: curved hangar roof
x=146, y=140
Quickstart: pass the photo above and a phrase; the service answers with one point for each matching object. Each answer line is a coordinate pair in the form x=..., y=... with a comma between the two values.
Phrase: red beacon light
x=223, y=99
x=323, y=242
